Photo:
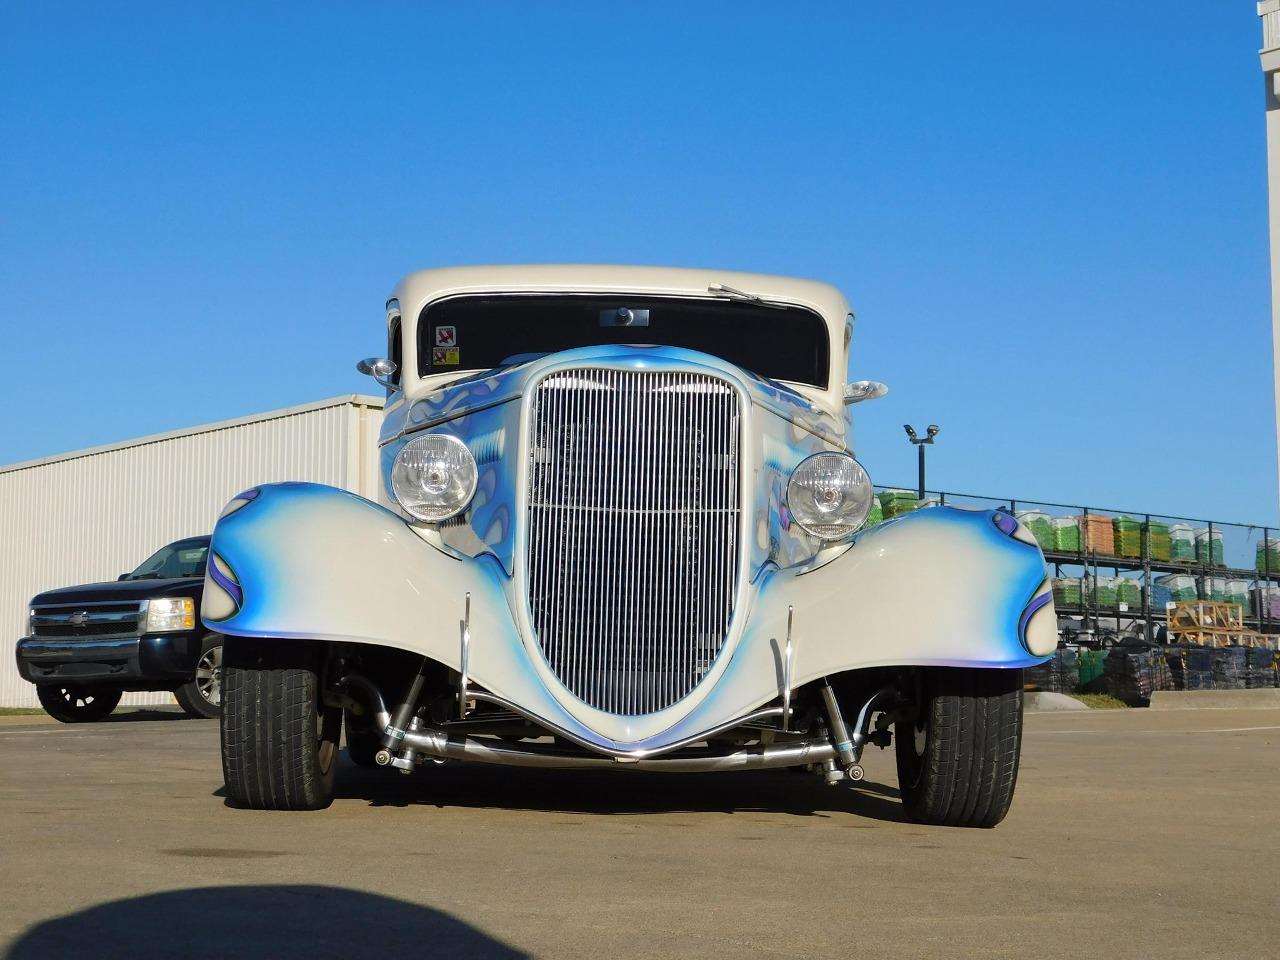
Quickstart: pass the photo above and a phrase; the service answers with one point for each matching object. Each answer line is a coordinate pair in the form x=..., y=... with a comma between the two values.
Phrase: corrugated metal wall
x=87, y=518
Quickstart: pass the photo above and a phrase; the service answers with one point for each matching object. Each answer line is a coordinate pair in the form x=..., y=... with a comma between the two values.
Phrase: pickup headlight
x=169, y=615
x=830, y=495
x=434, y=477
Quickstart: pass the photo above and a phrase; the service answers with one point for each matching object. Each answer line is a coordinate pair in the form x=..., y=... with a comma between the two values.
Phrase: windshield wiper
x=733, y=293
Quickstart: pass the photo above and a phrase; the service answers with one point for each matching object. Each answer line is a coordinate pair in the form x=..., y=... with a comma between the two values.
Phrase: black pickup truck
x=88, y=645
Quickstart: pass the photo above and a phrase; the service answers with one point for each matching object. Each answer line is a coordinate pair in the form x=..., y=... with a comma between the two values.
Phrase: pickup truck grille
x=94, y=619
x=633, y=514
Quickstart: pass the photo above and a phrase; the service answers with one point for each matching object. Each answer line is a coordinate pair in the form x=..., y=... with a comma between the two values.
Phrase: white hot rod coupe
x=622, y=527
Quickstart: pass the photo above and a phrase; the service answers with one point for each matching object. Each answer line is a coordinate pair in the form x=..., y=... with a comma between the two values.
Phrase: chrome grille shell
x=633, y=544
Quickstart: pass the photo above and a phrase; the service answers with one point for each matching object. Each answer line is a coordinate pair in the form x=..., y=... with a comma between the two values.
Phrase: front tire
x=78, y=703
x=279, y=741
x=201, y=696
x=958, y=758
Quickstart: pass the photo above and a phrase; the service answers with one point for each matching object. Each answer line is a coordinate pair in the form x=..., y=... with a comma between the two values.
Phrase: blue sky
x=1050, y=218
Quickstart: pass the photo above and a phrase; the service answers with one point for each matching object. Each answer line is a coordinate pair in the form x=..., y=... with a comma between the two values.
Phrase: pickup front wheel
x=77, y=704
x=279, y=741
x=958, y=757
x=201, y=696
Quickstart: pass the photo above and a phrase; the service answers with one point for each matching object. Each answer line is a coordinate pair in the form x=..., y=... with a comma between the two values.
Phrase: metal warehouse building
x=90, y=515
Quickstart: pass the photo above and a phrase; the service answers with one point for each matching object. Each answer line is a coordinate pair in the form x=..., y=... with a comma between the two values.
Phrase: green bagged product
x=876, y=514
x=1171, y=589
x=1102, y=592
x=1209, y=547
x=1066, y=592
x=897, y=502
x=1128, y=593
x=1213, y=588
x=1238, y=592
x=1182, y=542
x=1091, y=666
x=1158, y=540
x=1268, y=556
x=1127, y=535
x=1066, y=534
x=1039, y=525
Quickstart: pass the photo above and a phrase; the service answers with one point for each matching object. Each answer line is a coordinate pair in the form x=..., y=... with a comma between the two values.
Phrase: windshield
x=184, y=558
x=480, y=333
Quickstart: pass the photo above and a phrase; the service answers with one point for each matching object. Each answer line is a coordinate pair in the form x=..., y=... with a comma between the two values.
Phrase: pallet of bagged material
x=1096, y=534
x=1264, y=668
x=1231, y=668
x=1134, y=672
x=1190, y=668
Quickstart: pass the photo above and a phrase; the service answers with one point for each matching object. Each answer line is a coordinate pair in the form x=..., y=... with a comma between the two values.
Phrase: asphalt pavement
x=1145, y=834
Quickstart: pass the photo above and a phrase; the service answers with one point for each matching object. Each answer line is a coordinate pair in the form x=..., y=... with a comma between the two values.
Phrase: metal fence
x=1125, y=566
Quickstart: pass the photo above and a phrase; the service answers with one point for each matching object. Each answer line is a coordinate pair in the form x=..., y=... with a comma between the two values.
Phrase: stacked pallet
x=1237, y=592
x=1214, y=588
x=1267, y=601
x=1039, y=525
x=895, y=503
x=1267, y=555
x=1182, y=543
x=1102, y=592
x=1158, y=540
x=1059, y=674
x=1128, y=594
x=1209, y=547
x=1263, y=668
x=1230, y=668
x=1067, y=593
x=1191, y=668
x=1172, y=588
x=1096, y=534
x=1066, y=534
x=1134, y=672
x=1126, y=535
x=1091, y=671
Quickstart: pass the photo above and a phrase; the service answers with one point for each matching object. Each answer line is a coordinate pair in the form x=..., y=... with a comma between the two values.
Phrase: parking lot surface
x=1133, y=834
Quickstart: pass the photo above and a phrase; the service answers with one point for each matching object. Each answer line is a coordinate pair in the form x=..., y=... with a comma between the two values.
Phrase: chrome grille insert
x=633, y=513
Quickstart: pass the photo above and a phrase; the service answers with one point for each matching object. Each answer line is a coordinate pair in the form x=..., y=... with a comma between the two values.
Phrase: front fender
x=938, y=587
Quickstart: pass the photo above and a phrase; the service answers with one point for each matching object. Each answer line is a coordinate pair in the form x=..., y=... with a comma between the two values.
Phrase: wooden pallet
x=1202, y=614
x=1211, y=637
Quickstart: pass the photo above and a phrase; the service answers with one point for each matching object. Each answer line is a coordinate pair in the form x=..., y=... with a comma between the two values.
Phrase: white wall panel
x=90, y=516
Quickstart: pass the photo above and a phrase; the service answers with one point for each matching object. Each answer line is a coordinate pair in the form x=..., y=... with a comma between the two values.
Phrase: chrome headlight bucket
x=434, y=477
x=830, y=495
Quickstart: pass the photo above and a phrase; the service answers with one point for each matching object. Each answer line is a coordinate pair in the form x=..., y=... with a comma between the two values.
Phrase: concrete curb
x=1265, y=698
x=1042, y=702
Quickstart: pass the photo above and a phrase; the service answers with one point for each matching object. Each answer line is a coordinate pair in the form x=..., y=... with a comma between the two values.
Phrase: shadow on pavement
x=251, y=922
x=147, y=715
x=604, y=792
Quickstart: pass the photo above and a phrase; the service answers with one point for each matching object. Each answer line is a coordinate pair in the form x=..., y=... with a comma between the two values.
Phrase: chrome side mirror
x=381, y=370
x=861, y=390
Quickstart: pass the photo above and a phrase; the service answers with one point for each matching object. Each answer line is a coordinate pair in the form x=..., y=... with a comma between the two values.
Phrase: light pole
x=920, y=445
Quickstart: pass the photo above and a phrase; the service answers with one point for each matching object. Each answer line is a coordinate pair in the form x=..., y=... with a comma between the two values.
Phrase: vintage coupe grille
x=633, y=510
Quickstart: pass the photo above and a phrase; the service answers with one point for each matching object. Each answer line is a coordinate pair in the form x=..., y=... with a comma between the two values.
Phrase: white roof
x=416, y=290
x=356, y=399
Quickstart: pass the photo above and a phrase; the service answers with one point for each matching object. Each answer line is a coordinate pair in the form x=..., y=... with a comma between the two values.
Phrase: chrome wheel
x=209, y=676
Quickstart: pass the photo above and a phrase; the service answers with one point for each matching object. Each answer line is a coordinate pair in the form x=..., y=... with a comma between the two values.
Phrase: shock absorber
x=840, y=734
x=393, y=735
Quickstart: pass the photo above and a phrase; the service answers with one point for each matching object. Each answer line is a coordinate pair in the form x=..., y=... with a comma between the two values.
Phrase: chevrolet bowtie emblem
x=79, y=618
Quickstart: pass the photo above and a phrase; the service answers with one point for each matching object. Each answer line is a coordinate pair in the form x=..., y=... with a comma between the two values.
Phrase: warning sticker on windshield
x=445, y=356
x=446, y=336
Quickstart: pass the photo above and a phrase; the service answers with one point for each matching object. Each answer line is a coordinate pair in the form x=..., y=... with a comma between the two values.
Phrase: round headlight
x=434, y=477
x=830, y=495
